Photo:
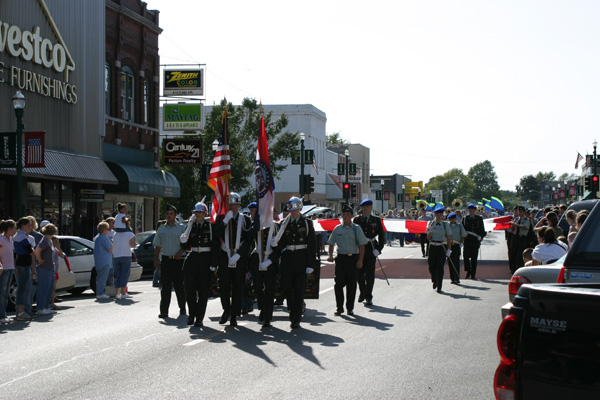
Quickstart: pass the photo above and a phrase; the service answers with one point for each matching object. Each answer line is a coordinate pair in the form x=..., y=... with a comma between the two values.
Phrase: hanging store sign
x=183, y=117
x=91, y=196
x=8, y=155
x=183, y=82
x=182, y=152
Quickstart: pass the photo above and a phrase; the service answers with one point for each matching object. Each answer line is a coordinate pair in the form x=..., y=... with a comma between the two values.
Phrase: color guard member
x=440, y=243
x=373, y=230
x=473, y=224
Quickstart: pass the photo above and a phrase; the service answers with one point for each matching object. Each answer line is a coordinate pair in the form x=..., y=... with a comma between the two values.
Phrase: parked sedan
x=145, y=250
x=81, y=256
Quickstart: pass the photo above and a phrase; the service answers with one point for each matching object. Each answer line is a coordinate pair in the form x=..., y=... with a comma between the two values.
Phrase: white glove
x=233, y=260
x=376, y=252
x=183, y=238
x=265, y=265
x=213, y=269
x=309, y=270
x=272, y=242
x=448, y=253
x=228, y=216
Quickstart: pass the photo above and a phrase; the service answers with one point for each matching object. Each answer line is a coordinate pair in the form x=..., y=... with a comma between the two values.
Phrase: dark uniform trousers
x=171, y=276
x=293, y=280
x=455, y=268
x=470, y=252
x=366, y=275
x=517, y=247
x=264, y=286
x=436, y=261
x=197, y=281
x=345, y=276
x=231, y=284
x=424, y=243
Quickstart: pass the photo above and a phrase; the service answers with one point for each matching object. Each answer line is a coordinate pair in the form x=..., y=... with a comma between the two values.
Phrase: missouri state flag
x=264, y=179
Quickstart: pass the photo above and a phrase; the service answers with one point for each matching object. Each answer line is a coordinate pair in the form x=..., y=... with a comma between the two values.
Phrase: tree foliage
x=485, y=179
x=529, y=188
x=244, y=125
x=336, y=139
x=454, y=184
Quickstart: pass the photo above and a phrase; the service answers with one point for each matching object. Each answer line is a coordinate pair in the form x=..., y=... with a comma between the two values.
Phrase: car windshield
x=586, y=248
x=140, y=237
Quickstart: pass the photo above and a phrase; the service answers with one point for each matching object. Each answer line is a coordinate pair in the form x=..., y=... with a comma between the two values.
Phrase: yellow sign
x=414, y=184
x=412, y=190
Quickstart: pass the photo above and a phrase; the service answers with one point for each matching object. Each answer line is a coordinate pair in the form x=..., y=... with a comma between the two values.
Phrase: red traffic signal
x=346, y=191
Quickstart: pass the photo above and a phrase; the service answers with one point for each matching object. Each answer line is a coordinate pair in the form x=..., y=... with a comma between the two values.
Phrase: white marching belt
x=372, y=240
x=456, y=241
x=200, y=249
x=436, y=243
x=296, y=247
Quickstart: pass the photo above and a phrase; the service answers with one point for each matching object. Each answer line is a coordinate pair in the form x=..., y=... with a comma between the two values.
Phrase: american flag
x=220, y=173
x=579, y=158
x=34, y=149
x=315, y=165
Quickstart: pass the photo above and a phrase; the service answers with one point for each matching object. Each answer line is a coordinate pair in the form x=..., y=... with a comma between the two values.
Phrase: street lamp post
x=215, y=145
x=19, y=105
x=403, y=196
x=302, y=188
x=382, y=183
x=347, y=153
x=595, y=158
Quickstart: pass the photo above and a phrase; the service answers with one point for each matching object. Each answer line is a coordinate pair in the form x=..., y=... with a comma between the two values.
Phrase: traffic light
x=353, y=190
x=310, y=184
x=346, y=191
x=594, y=184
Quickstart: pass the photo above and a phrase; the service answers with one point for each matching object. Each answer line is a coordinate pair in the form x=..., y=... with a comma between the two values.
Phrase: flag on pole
x=315, y=165
x=264, y=179
x=220, y=173
x=34, y=150
x=579, y=158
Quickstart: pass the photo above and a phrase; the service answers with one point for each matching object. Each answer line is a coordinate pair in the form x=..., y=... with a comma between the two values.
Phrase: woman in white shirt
x=549, y=248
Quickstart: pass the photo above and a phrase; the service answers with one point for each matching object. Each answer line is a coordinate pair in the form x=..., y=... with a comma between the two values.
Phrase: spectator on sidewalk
x=8, y=229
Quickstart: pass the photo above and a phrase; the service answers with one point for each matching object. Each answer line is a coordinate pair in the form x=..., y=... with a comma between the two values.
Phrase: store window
x=107, y=88
x=34, y=200
x=127, y=94
x=67, y=213
x=146, y=103
x=51, y=203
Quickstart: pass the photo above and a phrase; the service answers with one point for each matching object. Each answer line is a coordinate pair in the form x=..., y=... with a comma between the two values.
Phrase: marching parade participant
x=518, y=243
x=264, y=273
x=236, y=239
x=297, y=237
x=458, y=236
x=166, y=242
x=423, y=236
x=473, y=225
x=199, y=264
x=351, y=242
x=373, y=231
x=438, y=235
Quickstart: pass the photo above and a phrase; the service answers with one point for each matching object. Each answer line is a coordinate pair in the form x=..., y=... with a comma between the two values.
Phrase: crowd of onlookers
x=536, y=237
x=33, y=257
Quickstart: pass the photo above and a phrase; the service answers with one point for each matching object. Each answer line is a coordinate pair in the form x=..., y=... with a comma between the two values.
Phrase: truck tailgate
x=560, y=343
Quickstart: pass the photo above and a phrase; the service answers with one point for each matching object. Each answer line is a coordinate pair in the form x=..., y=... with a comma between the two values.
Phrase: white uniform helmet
x=295, y=203
x=235, y=198
x=201, y=207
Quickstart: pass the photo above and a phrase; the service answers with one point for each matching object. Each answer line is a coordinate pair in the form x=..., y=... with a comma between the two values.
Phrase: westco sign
x=30, y=46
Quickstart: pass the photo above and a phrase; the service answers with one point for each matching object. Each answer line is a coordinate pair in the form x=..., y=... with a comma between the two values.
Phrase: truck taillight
x=504, y=379
x=515, y=283
x=561, y=275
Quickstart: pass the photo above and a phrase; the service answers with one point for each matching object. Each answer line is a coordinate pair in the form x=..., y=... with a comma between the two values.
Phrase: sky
x=428, y=86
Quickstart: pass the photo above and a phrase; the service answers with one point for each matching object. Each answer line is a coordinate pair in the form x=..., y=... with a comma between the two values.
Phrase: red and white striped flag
x=315, y=165
x=579, y=158
x=264, y=178
x=34, y=150
x=220, y=173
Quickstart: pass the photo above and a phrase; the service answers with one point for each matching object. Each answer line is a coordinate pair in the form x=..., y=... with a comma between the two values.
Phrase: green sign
x=308, y=157
x=8, y=155
x=341, y=169
x=352, y=169
x=183, y=117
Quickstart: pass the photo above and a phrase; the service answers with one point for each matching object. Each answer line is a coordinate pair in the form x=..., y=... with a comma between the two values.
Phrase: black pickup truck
x=549, y=343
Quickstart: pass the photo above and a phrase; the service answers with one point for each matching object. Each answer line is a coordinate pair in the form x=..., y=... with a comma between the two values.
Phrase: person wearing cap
x=264, y=272
x=458, y=236
x=236, y=238
x=440, y=242
x=350, y=240
x=423, y=236
x=509, y=234
x=202, y=245
x=297, y=237
x=473, y=225
x=167, y=243
x=519, y=240
x=373, y=231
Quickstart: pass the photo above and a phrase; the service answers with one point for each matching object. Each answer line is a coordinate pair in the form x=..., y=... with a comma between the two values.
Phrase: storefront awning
x=143, y=181
x=68, y=166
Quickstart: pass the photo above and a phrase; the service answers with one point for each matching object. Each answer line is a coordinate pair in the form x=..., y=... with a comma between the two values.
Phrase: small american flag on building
x=34, y=150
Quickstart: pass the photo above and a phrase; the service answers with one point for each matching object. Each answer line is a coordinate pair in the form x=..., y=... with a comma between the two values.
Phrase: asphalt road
x=413, y=343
